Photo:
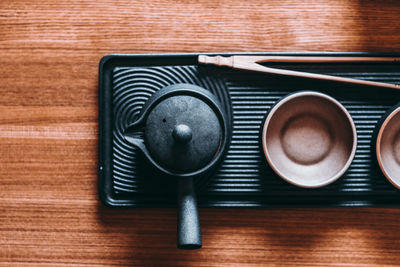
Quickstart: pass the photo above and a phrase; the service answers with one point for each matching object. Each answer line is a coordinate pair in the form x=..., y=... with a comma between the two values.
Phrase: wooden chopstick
x=251, y=63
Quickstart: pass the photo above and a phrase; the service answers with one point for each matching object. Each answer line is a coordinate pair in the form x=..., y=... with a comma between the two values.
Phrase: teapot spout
x=133, y=135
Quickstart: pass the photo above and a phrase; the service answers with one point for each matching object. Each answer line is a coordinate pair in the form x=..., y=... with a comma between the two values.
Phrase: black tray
x=244, y=178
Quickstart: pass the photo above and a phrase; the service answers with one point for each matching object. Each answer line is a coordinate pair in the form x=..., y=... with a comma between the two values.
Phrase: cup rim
x=378, y=145
x=284, y=100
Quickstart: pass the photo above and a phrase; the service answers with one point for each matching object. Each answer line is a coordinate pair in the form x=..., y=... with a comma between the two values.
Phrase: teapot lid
x=184, y=130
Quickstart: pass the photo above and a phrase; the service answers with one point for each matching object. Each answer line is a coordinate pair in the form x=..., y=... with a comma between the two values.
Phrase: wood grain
x=50, y=214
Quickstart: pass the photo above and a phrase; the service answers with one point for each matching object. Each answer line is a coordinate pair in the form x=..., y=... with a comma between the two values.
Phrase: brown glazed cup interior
x=309, y=139
x=388, y=147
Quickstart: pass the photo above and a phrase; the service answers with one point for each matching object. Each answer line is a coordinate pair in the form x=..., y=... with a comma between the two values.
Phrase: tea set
x=308, y=138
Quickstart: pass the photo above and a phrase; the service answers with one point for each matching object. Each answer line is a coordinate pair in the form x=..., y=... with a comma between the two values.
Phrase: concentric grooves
x=132, y=88
x=244, y=178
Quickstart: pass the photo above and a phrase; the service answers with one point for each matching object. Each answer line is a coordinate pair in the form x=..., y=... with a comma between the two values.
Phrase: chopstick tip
x=215, y=60
x=202, y=59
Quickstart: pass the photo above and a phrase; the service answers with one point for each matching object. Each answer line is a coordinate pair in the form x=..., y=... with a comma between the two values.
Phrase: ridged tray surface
x=244, y=178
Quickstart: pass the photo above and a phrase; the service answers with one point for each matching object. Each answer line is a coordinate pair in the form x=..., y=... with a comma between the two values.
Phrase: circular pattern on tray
x=132, y=87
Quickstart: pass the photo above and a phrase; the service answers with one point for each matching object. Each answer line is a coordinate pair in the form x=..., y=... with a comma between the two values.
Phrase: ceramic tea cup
x=387, y=145
x=309, y=139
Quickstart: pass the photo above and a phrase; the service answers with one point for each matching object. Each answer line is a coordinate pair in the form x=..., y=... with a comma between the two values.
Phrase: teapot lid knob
x=182, y=134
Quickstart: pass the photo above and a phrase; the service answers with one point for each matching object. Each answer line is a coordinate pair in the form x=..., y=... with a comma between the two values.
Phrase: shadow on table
x=140, y=237
x=376, y=22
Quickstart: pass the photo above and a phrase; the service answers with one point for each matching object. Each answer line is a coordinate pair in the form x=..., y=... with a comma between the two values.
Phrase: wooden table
x=50, y=214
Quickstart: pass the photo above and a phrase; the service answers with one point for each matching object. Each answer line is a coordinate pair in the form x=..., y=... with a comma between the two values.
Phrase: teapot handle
x=189, y=233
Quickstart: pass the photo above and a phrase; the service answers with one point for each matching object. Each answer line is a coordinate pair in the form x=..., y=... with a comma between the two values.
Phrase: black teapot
x=186, y=133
